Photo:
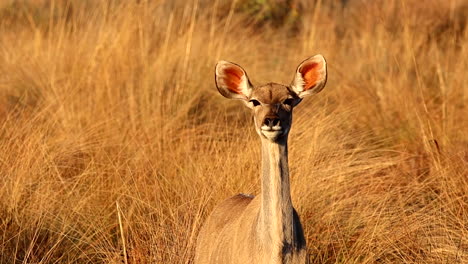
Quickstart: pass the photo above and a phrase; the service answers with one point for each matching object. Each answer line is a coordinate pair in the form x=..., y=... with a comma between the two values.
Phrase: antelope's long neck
x=276, y=213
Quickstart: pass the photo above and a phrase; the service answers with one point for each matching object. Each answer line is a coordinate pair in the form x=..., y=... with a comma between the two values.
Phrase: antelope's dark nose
x=271, y=121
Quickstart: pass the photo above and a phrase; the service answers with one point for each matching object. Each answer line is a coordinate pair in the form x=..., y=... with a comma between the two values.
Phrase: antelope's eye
x=288, y=101
x=255, y=102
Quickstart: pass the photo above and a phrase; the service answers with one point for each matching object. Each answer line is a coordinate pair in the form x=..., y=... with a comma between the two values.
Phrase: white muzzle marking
x=271, y=132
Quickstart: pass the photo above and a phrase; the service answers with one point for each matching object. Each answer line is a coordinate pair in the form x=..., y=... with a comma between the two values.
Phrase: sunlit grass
x=114, y=101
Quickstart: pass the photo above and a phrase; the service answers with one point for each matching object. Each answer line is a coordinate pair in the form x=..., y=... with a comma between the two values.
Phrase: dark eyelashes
x=288, y=101
x=255, y=102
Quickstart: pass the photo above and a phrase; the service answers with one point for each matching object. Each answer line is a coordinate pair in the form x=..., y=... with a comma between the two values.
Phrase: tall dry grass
x=115, y=145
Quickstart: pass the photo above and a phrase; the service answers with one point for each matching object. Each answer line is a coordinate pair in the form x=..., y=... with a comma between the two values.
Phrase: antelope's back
x=219, y=230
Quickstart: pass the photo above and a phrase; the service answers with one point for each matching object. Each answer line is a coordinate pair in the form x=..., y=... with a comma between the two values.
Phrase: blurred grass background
x=108, y=109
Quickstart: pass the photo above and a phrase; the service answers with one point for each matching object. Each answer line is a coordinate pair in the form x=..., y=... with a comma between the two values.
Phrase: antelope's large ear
x=311, y=76
x=232, y=81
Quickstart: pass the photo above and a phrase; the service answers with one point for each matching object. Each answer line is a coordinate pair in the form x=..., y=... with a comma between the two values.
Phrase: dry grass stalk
x=115, y=100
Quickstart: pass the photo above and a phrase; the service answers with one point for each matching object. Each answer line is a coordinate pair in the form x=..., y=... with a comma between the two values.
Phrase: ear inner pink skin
x=232, y=79
x=311, y=74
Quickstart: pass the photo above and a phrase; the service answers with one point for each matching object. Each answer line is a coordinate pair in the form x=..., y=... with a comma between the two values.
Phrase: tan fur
x=266, y=228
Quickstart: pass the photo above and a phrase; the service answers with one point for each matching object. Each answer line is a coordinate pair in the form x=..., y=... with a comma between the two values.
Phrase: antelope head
x=272, y=104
